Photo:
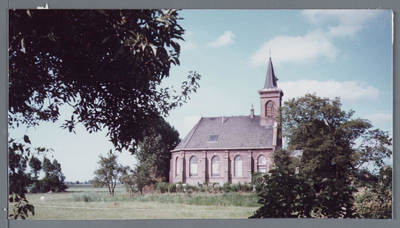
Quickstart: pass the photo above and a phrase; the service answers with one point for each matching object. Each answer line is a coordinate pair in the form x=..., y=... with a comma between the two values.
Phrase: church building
x=230, y=149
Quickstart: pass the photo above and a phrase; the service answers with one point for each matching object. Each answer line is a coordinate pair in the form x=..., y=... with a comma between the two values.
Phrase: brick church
x=230, y=149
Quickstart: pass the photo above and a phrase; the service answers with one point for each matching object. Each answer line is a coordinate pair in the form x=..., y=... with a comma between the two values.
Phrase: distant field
x=90, y=188
x=100, y=205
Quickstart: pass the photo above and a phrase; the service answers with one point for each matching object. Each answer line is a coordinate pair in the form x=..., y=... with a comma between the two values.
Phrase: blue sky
x=346, y=53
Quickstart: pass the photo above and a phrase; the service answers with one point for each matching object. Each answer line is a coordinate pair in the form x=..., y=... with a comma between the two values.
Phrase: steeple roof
x=270, y=81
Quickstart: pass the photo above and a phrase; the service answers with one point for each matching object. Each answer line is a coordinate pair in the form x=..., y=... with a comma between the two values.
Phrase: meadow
x=83, y=202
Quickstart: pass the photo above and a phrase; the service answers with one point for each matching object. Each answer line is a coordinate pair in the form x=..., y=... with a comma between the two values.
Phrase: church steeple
x=270, y=98
x=270, y=81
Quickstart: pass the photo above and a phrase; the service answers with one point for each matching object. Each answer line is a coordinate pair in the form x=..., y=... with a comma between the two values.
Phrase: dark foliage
x=327, y=136
x=285, y=194
x=21, y=207
x=155, y=149
x=106, y=64
x=375, y=198
x=53, y=179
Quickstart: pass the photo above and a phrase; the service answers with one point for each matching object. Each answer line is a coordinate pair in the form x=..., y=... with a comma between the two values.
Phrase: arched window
x=177, y=167
x=215, y=166
x=238, y=166
x=193, y=167
x=261, y=164
x=269, y=109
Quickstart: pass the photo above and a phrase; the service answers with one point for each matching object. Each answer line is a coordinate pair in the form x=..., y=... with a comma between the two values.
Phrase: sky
x=333, y=53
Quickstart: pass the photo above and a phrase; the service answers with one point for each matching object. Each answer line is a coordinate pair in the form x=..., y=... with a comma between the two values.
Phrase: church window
x=269, y=109
x=177, y=167
x=213, y=138
x=215, y=167
x=262, y=164
x=238, y=166
x=193, y=167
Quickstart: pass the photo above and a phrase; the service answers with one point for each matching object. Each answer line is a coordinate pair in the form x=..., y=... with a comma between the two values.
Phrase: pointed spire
x=270, y=81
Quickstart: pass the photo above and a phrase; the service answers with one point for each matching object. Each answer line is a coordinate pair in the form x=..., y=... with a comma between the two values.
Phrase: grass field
x=85, y=203
x=90, y=188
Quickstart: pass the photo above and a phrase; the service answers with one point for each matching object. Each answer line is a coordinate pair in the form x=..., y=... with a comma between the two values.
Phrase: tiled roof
x=233, y=132
x=270, y=81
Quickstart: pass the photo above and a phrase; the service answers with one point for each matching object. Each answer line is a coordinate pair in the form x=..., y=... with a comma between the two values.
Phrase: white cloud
x=380, y=118
x=331, y=24
x=348, y=91
x=225, y=39
x=295, y=49
x=187, y=46
x=348, y=22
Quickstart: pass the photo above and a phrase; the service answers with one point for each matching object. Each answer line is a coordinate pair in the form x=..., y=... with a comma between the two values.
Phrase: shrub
x=226, y=187
x=285, y=195
x=162, y=187
x=179, y=187
x=172, y=187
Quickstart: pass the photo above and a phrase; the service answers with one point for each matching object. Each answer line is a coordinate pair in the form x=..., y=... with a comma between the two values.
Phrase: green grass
x=99, y=205
x=90, y=188
x=84, y=202
x=203, y=199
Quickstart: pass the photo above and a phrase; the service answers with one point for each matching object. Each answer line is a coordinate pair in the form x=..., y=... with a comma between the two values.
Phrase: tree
x=375, y=198
x=53, y=179
x=155, y=149
x=106, y=64
x=20, y=155
x=143, y=176
x=36, y=166
x=128, y=179
x=285, y=194
x=19, y=179
x=108, y=173
x=327, y=136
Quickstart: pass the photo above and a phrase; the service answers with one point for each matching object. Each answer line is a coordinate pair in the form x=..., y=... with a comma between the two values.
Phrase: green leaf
x=26, y=139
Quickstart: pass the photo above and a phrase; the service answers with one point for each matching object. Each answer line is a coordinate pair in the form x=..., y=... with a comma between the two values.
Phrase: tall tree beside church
x=154, y=149
x=285, y=194
x=106, y=64
x=327, y=136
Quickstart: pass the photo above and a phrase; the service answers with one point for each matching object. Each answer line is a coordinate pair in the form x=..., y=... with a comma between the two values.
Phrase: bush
x=179, y=187
x=162, y=187
x=172, y=187
x=285, y=195
x=226, y=187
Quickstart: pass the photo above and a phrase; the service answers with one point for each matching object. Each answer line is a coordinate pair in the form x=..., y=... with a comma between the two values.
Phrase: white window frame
x=193, y=171
x=238, y=166
x=215, y=166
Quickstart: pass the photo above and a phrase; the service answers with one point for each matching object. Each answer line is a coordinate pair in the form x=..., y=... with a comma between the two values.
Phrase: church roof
x=237, y=132
x=270, y=81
